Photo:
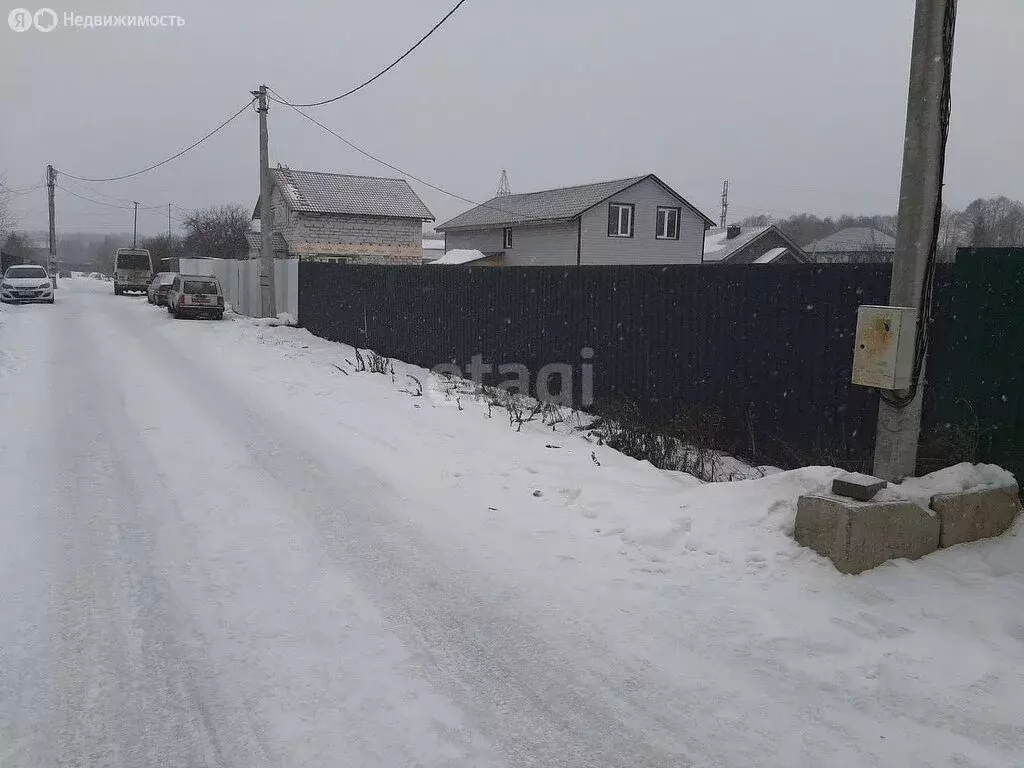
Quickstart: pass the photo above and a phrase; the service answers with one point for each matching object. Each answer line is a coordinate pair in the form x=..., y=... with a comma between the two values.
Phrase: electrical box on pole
x=885, y=346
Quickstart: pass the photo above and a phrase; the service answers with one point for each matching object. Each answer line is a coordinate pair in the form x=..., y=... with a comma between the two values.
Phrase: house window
x=667, y=224
x=620, y=219
x=507, y=239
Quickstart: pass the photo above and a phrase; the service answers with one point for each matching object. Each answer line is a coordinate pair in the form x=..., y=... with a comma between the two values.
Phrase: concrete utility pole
x=51, y=183
x=724, y=220
x=267, y=297
x=920, y=197
x=135, y=226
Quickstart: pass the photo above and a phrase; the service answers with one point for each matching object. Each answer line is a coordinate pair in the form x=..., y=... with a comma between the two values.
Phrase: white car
x=196, y=296
x=25, y=283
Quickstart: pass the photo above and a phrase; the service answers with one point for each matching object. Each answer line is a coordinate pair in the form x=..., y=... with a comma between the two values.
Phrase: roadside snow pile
x=757, y=649
x=955, y=479
x=283, y=318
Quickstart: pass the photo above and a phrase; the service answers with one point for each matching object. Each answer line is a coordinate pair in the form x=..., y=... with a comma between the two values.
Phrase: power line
x=94, y=191
x=23, y=191
x=92, y=200
x=175, y=156
x=386, y=69
x=146, y=208
x=385, y=163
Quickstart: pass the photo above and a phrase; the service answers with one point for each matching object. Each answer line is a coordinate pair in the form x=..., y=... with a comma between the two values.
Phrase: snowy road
x=187, y=581
x=218, y=550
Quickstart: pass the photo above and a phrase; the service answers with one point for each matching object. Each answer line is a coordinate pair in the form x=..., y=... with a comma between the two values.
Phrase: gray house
x=640, y=220
x=337, y=217
x=751, y=245
x=854, y=245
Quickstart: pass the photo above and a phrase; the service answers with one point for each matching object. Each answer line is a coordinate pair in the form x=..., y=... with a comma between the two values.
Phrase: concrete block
x=858, y=535
x=973, y=515
x=855, y=485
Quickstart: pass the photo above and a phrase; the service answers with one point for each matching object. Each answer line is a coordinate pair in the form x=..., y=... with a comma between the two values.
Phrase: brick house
x=336, y=217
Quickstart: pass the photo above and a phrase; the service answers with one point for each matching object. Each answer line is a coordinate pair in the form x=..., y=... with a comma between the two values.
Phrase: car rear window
x=166, y=278
x=132, y=261
x=17, y=273
x=201, y=287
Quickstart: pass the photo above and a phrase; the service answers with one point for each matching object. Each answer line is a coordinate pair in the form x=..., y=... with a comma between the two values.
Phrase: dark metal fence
x=769, y=350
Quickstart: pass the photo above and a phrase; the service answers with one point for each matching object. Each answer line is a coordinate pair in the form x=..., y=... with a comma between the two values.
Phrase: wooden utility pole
x=135, y=226
x=267, y=298
x=51, y=183
x=899, y=414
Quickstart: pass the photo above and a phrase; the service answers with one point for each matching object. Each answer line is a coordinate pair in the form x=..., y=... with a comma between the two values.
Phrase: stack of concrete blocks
x=857, y=533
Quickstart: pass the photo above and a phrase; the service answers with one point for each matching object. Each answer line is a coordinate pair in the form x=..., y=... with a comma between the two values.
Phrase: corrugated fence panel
x=769, y=349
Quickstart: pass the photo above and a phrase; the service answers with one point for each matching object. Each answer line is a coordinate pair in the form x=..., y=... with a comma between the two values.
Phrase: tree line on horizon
x=987, y=222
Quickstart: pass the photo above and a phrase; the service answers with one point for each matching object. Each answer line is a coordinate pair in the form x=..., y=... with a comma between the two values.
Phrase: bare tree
x=996, y=222
x=217, y=233
x=6, y=217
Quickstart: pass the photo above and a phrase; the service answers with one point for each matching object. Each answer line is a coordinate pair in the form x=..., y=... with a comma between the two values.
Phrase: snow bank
x=691, y=596
x=955, y=479
x=283, y=318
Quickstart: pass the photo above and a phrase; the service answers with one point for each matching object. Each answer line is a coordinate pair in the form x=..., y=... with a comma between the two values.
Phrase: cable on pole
x=386, y=69
x=385, y=163
x=175, y=156
x=901, y=401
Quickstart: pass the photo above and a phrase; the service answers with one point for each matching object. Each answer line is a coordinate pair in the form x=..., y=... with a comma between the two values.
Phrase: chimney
x=732, y=231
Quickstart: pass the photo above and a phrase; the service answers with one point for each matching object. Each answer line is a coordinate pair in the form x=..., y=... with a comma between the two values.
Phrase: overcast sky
x=799, y=103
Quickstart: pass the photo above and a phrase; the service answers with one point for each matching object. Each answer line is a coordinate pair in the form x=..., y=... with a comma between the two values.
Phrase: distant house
x=433, y=249
x=640, y=220
x=751, y=245
x=336, y=217
x=854, y=245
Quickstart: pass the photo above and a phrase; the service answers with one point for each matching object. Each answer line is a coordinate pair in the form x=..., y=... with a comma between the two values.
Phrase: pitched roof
x=337, y=193
x=854, y=239
x=460, y=256
x=255, y=241
x=548, y=205
x=719, y=248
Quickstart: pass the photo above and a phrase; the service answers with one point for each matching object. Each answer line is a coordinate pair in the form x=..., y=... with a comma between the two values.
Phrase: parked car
x=157, y=291
x=23, y=283
x=196, y=296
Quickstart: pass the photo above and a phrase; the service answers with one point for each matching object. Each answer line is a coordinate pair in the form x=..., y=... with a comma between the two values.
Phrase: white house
x=640, y=220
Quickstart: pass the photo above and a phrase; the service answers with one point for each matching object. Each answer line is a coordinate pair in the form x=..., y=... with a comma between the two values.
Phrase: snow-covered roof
x=461, y=256
x=853, y=240
x=718, y=246
x=338, y=193
x=770, y=256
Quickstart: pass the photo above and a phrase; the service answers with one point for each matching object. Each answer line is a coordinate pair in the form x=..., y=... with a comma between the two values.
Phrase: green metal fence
x=976, y=365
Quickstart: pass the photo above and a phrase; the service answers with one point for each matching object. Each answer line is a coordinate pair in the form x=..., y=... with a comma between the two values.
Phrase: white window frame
x=506, y=239
x=661, y=233
x=630, y=210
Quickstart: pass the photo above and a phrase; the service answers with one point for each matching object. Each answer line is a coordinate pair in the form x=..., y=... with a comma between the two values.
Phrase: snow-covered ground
x=217, y=548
